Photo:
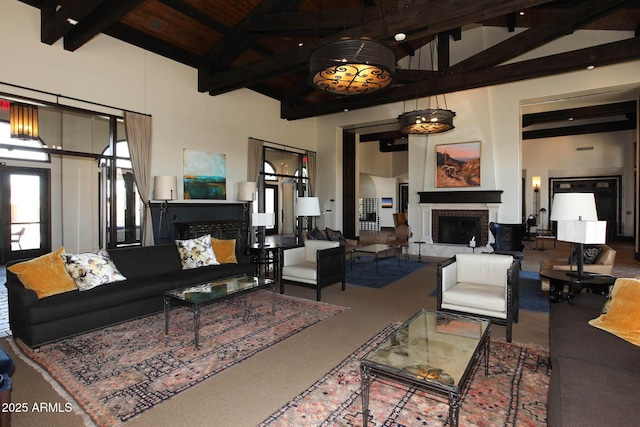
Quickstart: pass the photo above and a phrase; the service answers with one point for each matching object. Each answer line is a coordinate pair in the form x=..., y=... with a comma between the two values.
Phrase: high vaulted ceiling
x=265, y=45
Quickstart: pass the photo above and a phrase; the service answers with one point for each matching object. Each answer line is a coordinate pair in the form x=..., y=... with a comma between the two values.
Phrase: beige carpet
x=251, y=391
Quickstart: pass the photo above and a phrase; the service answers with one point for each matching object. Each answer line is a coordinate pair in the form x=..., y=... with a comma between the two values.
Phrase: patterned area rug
x=514, y=394
x=119, y=372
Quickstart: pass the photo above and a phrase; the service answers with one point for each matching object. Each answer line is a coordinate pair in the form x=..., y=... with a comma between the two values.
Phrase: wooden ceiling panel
x=227, y=12
x=165, y=23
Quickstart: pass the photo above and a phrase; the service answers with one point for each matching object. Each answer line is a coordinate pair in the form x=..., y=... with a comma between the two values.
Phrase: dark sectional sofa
x=150, y=271
x=595, y=377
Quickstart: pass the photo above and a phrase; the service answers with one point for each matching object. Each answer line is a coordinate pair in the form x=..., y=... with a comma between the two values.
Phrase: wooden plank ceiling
x=265, y=45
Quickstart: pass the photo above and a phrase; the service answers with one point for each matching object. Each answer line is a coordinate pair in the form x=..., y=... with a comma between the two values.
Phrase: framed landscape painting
x=205, y=175
x=458, y=165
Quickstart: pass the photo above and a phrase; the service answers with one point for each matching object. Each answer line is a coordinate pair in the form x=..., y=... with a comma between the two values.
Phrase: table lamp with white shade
x=307, y=207
x=262, y=220
x=577, y=219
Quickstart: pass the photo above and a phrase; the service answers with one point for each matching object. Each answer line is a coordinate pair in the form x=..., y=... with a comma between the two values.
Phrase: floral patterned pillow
x=91, y=269
x=196, y=252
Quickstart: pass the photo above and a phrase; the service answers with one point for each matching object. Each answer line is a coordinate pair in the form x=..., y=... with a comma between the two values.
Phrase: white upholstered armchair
x=483, y=285
x=317, y=264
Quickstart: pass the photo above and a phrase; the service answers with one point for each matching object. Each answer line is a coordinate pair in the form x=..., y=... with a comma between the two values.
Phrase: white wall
x=110, y=72
x=612, y=154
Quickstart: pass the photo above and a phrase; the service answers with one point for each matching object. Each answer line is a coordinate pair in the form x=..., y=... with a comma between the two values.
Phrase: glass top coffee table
x=433, y=351
x=378, y=250
x=198, y=296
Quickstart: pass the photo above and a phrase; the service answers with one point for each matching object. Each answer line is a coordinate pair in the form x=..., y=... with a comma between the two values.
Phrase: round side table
x=419, y=243
x=565, y=286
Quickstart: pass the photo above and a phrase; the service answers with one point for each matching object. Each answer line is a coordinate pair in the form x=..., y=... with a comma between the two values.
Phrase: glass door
x=25, y=213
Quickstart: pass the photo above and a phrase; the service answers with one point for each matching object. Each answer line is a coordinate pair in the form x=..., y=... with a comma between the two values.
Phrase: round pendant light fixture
x=352, y=67
x=420, y=122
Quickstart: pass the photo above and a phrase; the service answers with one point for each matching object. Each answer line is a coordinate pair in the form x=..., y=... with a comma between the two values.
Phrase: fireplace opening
x=459, y=229
x=460, y=226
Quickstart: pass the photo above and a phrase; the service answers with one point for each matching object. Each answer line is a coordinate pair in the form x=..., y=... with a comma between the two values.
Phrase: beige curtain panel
x=138, y=129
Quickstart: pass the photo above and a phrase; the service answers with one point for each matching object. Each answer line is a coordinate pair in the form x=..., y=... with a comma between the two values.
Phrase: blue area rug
x=363, y=272
x=531, y=297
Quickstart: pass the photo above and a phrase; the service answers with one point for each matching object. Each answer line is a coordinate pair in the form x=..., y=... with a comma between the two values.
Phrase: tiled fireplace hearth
x=450, y=218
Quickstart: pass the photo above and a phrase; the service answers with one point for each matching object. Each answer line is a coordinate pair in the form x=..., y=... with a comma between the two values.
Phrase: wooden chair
x=401, y=240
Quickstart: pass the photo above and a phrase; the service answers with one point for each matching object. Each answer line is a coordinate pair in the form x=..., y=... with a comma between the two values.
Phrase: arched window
x=269, y=171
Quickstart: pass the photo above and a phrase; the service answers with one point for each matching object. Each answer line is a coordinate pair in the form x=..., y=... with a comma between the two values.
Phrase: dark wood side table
x=564, y=287
x=266, y=259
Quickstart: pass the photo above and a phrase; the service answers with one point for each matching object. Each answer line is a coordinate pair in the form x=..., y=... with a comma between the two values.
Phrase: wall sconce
x=23, y=120
x=535, y=183
x=165, y=188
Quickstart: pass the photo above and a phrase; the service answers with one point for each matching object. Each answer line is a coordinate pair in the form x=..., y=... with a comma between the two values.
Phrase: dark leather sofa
x=150, y=271
x=595, y=376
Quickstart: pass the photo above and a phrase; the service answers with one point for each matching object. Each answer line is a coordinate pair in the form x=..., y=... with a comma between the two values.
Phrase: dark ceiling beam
x=148, y=42
x=229, y=48
x=606, y=54
x=436, y=16
x=99, y=20
x=443, y=51
x=614, y=126
x=392, y=135
x=511, y=22
x=198, y=16
x=564, y=23
x=627, y=108
x=452, y=17
x=389, y=145
x=54, y=24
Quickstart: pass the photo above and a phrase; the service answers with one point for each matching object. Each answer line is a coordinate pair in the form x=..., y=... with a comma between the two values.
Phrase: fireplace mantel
x=482, y=196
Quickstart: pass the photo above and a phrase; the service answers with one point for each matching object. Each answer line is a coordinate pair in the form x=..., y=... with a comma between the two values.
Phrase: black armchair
x=508, y=239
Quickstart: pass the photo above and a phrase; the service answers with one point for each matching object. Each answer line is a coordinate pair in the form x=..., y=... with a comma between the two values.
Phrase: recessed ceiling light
x=522, y=13
x=591, y=67
x=300, y=44
x=570, y=119
x=400, y=37
x=72, y=21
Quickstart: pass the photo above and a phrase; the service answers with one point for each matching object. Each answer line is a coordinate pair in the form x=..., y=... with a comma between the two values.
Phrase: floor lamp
x=578, y=223
x=246, y=193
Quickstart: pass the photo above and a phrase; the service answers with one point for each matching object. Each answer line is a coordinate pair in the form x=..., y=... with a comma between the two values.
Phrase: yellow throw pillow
x=45, y=275
x=225, y=250
x=622, y=317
